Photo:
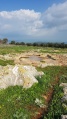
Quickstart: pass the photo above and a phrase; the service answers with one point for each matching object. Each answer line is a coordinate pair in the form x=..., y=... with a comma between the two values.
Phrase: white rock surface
x=18, y=75
x=64, y=99
x=63, y=84
x=64, y=117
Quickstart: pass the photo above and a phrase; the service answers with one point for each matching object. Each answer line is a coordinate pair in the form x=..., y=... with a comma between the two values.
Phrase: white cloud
x=56, y=15
x=28, y=24
x=21, y=21
x=55, y=21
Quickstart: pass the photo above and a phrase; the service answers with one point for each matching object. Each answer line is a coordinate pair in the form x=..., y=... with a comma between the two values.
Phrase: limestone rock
x=64, y=98
x=18, y=75
x=63, y=84
x=65, y=90
x=64, y=117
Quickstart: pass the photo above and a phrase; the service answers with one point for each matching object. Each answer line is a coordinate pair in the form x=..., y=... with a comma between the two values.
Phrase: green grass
x=6, y=49
x=54, y=50
x=6, y=62
x=57, y=108
x=15, y=49
x=19, y=103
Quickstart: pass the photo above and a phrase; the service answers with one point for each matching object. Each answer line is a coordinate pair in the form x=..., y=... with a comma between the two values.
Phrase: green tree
x=0, y=41
x=5, y=40
x=12, y=42
x=22, y=43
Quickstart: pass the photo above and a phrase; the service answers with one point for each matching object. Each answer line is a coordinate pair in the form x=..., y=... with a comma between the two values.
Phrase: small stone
x=64, y=117
x=63, y=84
x=64, y=98
x=65, y=90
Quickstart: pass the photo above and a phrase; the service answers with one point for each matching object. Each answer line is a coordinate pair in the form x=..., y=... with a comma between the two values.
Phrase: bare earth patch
x=37, y=59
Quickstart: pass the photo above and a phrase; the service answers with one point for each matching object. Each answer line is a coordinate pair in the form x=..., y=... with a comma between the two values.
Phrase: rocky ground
x=37, y=59
x=64, y=99
x=24, y=71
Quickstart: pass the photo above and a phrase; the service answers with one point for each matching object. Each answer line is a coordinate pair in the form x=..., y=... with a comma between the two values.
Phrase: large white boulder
x=18, y=75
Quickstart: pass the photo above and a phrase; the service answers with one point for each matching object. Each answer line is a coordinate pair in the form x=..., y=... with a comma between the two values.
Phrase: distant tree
x=49, y=44
x=65, y=45
x=35, y=44
x=62, y=45
x=41, y=44
x=0, y=41
x=22, y=43
x=29, y=44
x=12, y=42
x=5, y=40
x=17, y=43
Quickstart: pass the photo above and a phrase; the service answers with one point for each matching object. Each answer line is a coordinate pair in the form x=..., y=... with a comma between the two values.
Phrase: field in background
x=5, y=49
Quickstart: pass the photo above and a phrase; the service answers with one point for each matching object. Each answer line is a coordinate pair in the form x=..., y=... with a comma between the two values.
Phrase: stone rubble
x=64, y=85
x=18, y=75
x=64, y=99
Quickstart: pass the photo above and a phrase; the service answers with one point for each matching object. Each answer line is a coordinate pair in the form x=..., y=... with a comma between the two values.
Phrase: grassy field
x=6, y=62
x=5, y=49
x=19, y=103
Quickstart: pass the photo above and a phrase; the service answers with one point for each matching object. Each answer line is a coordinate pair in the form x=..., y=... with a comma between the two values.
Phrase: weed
x=6, y=62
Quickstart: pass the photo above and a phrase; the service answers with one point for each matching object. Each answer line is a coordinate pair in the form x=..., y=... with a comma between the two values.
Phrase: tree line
x=39, y=44
x=48, y=44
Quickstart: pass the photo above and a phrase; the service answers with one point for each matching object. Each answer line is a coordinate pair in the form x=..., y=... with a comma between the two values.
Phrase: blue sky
x=31, y=20
x=39, y=5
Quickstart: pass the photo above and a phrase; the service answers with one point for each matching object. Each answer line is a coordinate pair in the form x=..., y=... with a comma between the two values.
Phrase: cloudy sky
x=33, y=20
